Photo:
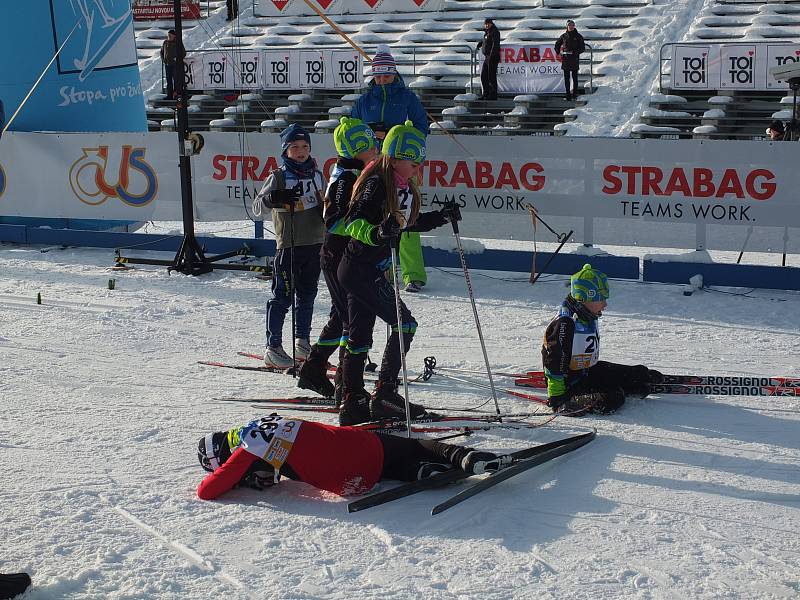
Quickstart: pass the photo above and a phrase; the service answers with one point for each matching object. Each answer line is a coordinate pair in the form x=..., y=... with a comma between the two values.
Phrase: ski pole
x=396, y=271
x=291, y=285
x=454, y=223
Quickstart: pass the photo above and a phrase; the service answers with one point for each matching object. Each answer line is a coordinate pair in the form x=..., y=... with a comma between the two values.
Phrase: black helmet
x=213, y=450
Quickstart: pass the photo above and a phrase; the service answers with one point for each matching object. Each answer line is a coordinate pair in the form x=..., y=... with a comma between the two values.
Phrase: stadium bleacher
x=727, y=114
x=433, y=52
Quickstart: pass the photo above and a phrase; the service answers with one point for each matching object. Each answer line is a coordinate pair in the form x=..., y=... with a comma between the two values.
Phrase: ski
x=535, y=377
x=697, y=389
x=515, y=468
x=260, y=357
x=453, y=475
x=301, y=400
x=724, y=390
x=261, y=369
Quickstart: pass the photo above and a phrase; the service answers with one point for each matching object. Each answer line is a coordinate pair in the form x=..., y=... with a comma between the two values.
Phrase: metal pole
x=454, y=223
x=396, y=271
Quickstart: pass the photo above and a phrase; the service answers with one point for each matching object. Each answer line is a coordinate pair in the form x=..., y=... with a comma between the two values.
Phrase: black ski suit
x=370, y=294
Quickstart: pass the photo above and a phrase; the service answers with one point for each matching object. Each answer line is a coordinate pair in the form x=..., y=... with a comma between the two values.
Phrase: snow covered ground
x=103, y=404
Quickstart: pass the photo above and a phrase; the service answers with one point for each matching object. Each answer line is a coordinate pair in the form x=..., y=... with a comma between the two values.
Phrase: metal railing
x=400, y=59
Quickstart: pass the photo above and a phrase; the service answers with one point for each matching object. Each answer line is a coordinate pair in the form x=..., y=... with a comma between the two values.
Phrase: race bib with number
x=270, y=438
x=405, y=201
x=585, y=349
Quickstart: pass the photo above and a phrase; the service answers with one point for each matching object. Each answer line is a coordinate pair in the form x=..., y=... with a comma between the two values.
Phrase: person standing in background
x=491, y=52
x=569, y=47
x=171, y=52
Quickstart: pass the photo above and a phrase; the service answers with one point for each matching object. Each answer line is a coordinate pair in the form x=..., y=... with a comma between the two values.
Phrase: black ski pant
x=403, y=457
x=602, y=388
x=489, y=77
x=573, y=73
x=371, y=295
x=335, y=332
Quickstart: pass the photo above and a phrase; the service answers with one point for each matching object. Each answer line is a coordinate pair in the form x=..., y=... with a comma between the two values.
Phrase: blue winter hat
x=406, y=142
x=291, y=134
x=353, y=136
x=589, y=285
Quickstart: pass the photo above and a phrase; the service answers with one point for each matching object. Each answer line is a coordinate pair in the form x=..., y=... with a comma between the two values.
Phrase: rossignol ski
x=740, y=387
x=455, y=474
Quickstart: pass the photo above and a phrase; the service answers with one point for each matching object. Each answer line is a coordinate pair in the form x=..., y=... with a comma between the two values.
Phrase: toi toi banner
x=529, y=70
x=743, y=66
x=92, y=85
x=274, y=69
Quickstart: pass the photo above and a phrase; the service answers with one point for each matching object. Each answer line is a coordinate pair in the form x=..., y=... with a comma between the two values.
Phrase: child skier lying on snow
x=342, y=460
x=577, y=382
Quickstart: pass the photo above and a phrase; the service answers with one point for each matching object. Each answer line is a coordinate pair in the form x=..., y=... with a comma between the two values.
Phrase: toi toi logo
x=87, y=177
x=279, y=72
x=348, y=71
x=741, y=69
x=315, y=72
x=248, y=72
x=694, y=69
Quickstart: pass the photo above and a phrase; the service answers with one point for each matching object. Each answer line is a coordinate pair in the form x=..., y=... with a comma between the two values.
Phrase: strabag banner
x=276, y=8
x=739, y=66
x=274, y=69
x=525, y=69
x=617, y=191
x=92, y=85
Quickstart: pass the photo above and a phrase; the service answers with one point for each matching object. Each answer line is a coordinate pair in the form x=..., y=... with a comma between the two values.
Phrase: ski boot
x=314, y=376
x=355, y=408
x=387, y=403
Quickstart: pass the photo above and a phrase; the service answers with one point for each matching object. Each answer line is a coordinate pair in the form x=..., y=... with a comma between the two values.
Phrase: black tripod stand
x=190, y=258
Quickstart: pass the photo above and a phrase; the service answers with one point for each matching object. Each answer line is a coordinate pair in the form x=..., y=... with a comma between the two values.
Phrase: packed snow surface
x=103, y=403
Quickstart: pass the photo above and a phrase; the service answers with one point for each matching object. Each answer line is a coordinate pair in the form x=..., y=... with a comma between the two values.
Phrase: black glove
x=451, y=212
x=390, y=228
x=478, y=47
x=280, y=198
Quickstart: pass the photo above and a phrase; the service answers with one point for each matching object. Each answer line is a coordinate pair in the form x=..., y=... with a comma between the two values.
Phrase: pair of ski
x=703, y=385
x=331, y=371
x=521, y=461
x=433, y=422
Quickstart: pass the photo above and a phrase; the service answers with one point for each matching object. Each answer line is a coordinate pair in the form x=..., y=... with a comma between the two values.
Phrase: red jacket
x=342, y=460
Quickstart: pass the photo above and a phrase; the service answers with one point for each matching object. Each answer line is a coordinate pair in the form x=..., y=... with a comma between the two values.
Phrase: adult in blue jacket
x=388, y=102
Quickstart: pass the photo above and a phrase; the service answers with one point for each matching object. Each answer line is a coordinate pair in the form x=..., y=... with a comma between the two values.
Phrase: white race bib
x=270, y=438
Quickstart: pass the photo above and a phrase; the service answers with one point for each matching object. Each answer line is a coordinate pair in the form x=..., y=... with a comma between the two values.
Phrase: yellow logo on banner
x=2, y=181
x=87, y=177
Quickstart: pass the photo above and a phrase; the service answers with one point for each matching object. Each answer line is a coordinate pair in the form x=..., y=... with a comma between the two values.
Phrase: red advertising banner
x=158, y=10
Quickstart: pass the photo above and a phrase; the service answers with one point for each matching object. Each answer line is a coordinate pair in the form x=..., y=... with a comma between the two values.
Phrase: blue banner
x=92, y=85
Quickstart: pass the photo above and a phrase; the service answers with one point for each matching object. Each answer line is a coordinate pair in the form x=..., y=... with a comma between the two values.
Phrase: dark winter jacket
x=366, y=215
x=170, y=50
x=570, y=45
x=337, y=202
x=571, y=345
x=391, y=104
x=491, y=43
